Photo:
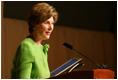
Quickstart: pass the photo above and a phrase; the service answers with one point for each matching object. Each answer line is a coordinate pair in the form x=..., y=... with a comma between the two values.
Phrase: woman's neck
x=35, y=38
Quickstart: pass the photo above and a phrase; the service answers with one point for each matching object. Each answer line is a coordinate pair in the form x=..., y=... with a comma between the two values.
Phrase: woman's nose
x=51, y=27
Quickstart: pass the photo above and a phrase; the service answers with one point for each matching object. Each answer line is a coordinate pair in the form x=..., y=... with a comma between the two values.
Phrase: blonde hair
x=40, y=13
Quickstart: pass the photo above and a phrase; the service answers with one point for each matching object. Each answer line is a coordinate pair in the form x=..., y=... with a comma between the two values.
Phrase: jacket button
x=41, y=58
x=46, y=74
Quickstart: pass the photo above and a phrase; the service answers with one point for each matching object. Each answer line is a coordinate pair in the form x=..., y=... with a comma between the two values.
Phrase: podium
x=87, y=74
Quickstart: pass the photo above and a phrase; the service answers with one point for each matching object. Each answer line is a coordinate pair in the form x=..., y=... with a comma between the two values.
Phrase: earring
x=33, y=28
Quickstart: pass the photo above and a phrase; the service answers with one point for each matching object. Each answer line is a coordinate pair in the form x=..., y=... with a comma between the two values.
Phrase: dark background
x=90, y=15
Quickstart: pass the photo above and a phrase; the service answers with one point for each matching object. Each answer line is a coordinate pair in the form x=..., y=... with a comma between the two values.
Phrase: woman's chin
x=46, y=38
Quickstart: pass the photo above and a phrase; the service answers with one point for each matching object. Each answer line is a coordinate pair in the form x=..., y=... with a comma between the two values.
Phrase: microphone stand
x=71, y=47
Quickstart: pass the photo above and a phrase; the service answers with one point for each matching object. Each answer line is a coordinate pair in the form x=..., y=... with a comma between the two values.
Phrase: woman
x=30, y=61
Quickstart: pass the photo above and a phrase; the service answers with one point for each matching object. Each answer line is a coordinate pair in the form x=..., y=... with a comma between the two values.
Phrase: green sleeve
x=24, y=60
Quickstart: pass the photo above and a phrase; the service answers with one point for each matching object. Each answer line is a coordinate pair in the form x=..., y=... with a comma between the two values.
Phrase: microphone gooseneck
x=71, y=47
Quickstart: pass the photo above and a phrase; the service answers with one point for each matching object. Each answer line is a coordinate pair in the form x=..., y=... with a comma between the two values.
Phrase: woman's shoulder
x=27, y=41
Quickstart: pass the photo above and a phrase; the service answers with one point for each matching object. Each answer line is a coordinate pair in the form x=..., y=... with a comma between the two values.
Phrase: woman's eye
x=46, y=22
x=53, y=23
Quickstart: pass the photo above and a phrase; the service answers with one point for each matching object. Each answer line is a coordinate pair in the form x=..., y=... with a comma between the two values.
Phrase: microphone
x=71, y=47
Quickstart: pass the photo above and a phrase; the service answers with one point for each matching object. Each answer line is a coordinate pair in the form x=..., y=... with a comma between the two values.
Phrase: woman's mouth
x=48, y=33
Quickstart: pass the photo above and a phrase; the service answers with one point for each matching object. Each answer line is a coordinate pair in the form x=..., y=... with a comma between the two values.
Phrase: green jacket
x=30, y=61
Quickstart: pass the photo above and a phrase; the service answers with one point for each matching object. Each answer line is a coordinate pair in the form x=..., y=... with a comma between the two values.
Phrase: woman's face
x=44, y=30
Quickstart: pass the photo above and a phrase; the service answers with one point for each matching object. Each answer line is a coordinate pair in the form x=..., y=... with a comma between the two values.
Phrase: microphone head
x=68, y=45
